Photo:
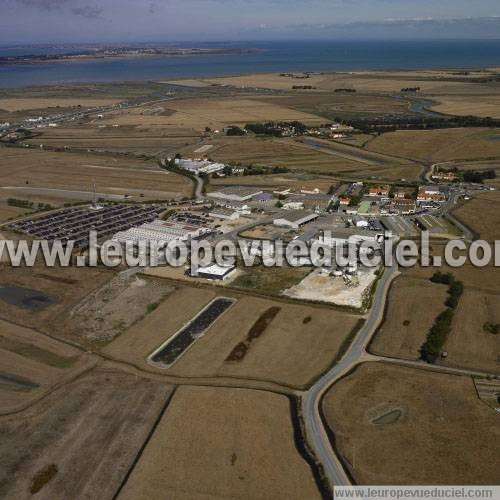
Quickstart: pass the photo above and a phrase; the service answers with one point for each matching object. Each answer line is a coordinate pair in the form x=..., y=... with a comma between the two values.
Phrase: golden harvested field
x=279, y=153
x=413, y=305
x=439, y=145
x=482, y=214
x=485, y=278
x=116, y=139
x=20, y=104
x=332, y=158
x=42, y=175
x=290, y=351
x=89, y=431
x=196, y=114
x=444, y=433
x=469, y=105
x=222, y=443
x=295, y=180
x=469, y=345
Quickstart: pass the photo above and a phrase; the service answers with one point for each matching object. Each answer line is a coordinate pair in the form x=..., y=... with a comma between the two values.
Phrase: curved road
x=315, y=432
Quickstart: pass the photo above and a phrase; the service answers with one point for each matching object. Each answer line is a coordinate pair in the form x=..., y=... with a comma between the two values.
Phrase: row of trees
x=441, y=328
x=275, y=129
x=391, y=123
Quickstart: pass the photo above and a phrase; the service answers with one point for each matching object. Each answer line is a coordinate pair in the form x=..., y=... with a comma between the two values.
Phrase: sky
x=58, y=21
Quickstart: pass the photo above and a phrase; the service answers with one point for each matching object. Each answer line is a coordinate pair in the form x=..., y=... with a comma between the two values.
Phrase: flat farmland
x=484, y=278
x=298, y=345
x=412, y=307
x=336, y=105
x=482, y=214
x=395, y=425
x=88, y=433
x=32, y=363
x=115, y=139
x=34, y=103
x=295, y=180
x=435, y=82
x=222, y=443
x=279, y=153
x=198, y=113
x=469, y=344
x=42, y=175
x=469, y=105
x=439, y=145
x=9, y=212
x=331, y=158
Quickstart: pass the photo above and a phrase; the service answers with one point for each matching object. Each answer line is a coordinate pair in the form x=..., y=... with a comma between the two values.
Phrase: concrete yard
x=318, y=286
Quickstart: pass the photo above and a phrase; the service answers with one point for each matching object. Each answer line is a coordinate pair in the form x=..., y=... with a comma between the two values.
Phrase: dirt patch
x=110, y=310
x=236, y=443
x=319, y=286
x=449, y=433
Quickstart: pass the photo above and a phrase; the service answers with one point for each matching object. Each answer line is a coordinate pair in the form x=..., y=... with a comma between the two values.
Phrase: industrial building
x=214, y=272
x=295, y=219
x=160, y=233
x=199, y=166
x=235, y=193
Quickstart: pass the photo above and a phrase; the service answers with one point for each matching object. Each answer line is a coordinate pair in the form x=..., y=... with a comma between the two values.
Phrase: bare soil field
x=397, y=425
x=33, y=103
x=65, y=285
x=237, y=444
x=412, y=307
x=110, y=310
x=482, y=214
x=31, y=363
x=298, y=345
x=33, y=174
x=89, y=431
x=470, y=344
x=198, y=113
x=439, y=145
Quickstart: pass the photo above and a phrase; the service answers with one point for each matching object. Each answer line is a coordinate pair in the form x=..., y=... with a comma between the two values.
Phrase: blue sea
x=271, y=57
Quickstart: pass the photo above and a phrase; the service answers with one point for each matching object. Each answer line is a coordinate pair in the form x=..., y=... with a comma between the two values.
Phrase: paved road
x=315, y=432
x=198, y=192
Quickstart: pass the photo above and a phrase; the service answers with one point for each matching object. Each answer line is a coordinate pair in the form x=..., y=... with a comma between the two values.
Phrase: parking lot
x=75, y=223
